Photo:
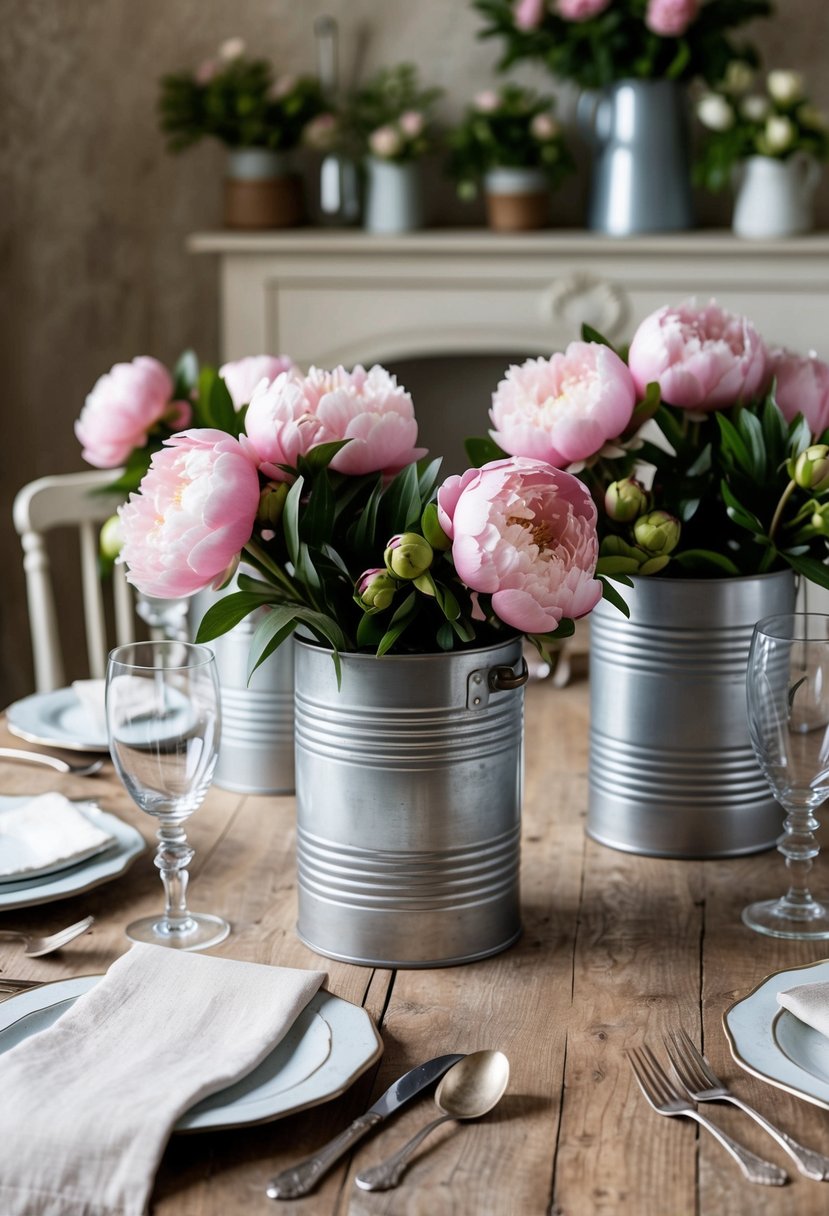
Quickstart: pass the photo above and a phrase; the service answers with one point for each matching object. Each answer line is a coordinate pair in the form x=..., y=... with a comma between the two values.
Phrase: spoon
x=88, y=769
x=468, y=1090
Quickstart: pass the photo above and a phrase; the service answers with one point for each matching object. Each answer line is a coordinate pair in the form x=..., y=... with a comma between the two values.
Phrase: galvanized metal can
x=408, y=784
x=672, y=770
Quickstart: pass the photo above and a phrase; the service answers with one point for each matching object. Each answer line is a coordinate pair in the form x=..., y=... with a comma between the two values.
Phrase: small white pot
x=255, y=164
x=774, y=197
x=515, y=181
x=394, y=199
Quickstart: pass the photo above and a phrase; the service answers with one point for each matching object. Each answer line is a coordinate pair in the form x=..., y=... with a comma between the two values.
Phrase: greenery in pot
x=512, y=127
x=778, y=122
x=391, y=116
x=236, y=100
x=597, y=42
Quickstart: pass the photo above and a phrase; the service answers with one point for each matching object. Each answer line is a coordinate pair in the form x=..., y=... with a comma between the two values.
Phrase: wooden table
x=615, y=950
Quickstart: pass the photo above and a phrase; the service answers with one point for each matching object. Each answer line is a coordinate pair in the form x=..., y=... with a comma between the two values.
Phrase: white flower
x=385, y=142
x=755, y=109
x=785, y=87
x=780, y=133
x=232, y=48
x=487, y=101
x=544, y=127
x=715, y=112
x=739, y=77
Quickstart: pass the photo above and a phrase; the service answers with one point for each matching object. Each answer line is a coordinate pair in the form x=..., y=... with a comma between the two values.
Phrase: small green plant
x=391, y=115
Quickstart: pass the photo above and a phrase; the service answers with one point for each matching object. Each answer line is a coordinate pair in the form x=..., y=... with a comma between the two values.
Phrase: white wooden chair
x=69, y=500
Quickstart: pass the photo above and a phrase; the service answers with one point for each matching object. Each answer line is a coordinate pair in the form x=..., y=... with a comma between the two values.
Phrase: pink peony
x=802, y=387
x=580, y=10
x=281, y=423
x=671, y=18
x=564, y=408
x=192, y=515
x=385, y=142
x=529, y=14
x=412, y=123
x=123, y=407
x=371, y=410
x=703, y=358
x=524, y=533
x=243, y=375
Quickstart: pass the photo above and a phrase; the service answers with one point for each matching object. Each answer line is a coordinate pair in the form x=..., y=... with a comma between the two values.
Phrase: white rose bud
x=232, y=48
x=785, y=87
x=779, y=133
x=385, y=142
x=739, y=77
x=715, y=112
x=755, y=109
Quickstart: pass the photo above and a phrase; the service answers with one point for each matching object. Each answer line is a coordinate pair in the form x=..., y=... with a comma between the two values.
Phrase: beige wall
x=94, y=213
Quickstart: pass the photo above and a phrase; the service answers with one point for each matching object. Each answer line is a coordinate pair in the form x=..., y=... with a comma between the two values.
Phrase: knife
x=302, y=1178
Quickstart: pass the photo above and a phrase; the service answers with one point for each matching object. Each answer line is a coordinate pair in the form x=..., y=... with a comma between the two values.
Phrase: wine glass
x=787, y=687
x=163, y=718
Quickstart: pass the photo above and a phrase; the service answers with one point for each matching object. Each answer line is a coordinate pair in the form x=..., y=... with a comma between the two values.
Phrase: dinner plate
x=87, y=809
x=331, y=1043
x=57, y=719
x=83, y=875
x=770, y=1042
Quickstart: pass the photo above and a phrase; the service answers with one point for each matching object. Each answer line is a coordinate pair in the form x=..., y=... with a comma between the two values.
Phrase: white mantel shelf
x=342, y=296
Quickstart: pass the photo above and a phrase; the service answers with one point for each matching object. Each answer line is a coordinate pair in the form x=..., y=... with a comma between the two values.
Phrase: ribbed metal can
x=672, y=770
x=408, y=785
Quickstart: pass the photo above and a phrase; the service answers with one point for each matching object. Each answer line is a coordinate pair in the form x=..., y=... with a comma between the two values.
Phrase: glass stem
x=172, y=858
x=799, y=847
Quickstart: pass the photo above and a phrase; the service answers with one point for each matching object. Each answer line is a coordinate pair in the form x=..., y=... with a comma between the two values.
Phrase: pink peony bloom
x=371, y=410
x=524, y=533
x=243, y=375
x=385, y=142
x=123, y=407
x=802, y=388
x=564, y=408
x=703, y=358
x=281, y=423
x=412, y=123
x=580, y=10
x=192, y=515
x=671, y=18
x=487, y=101
x=529, y=14
x=206, y=71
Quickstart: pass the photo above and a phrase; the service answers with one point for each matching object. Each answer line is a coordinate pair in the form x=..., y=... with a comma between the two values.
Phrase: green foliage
x=392, y=95
x=519, y=132
x=616, y=43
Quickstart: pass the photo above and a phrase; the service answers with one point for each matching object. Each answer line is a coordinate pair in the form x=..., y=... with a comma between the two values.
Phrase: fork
x=37, y=946
x=703, y=1085
x=63, y=766
x=659, y=1091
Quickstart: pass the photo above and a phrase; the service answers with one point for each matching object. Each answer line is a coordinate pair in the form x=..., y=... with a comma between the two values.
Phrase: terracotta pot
x=517, y=200
x=260, y=192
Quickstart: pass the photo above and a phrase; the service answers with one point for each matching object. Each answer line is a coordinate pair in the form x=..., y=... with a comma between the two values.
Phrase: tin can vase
x=408, y=787
x=672, y=771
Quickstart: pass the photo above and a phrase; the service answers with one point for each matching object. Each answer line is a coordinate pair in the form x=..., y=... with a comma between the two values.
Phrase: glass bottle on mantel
x=339, y=185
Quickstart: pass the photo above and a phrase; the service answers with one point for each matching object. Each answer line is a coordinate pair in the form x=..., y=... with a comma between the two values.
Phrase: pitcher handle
x=591, y=109
x=503, y=679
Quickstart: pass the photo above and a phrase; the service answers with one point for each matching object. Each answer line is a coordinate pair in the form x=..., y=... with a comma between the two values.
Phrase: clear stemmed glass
x=163, y=718
x=787, y=687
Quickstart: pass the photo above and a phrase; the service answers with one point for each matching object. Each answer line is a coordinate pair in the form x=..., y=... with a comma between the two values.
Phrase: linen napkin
x=45, y=834
x=810, y=1003
x=134, y=692
x=87, y=1105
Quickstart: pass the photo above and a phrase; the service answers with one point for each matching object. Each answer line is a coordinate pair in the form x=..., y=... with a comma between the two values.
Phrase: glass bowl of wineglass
x=164, y=723
x=787, y=687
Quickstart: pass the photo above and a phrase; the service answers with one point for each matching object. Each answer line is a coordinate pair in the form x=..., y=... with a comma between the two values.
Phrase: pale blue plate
x=57, y=719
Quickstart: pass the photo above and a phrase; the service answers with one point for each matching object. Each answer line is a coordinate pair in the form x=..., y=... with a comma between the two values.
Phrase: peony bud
x=739, y=76
x=785, y=87
x=376, y=589
x=811, y=469
x=408, y=555
x=715, y=112
x=385, y=142
x=820, y=519
x=434, y=533
x=657, y=533
x=111, y=538
x=755, y=109
x=271, y=503
x=625, y=500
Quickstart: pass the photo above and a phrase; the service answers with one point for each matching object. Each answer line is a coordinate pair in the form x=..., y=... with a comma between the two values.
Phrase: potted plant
x=707, y=456
x=391, y=117
x=769, y=143
x=510, y=141
x=633, y=58
x=235, y=99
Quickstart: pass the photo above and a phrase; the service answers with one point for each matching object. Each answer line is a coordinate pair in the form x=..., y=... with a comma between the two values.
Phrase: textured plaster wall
x=94, y=213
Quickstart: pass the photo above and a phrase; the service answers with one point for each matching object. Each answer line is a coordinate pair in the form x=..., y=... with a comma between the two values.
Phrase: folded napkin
x=92, y=696
x=810, y=1003
x=46, y=834
x=136, y=694
x=87, y=1105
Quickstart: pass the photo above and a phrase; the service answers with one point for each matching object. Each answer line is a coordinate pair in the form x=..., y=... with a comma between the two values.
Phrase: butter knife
x=300, y=1179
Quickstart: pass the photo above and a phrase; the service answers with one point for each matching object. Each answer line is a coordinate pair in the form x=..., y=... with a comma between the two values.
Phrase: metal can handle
x=502, y=679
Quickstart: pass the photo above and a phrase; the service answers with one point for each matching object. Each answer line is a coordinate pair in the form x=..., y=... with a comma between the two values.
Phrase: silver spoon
x=62, y=766
x=468, y=1090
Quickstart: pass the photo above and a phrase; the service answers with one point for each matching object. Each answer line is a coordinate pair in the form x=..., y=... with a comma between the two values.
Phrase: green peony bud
x=272, y=503
x=625, y=500
x=657, y=533
x=811, y=468
x=111, y=538
x=434, y=533
x=376, y=588
x=820, y=519
x=408, y=555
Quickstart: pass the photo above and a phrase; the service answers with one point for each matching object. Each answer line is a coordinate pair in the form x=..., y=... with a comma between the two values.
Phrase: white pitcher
x=774, y=197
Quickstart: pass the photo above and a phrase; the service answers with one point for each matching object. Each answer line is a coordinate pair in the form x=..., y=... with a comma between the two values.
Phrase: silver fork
x=87, y=769
x=667, y=1100
x=696, y=1075
x=38, y=946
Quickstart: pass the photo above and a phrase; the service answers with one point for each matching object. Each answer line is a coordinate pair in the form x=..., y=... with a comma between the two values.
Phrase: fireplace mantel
x=330, y=297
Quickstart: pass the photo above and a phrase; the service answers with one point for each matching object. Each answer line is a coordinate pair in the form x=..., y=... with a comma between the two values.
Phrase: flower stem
x=276, y=572
x=778, y=513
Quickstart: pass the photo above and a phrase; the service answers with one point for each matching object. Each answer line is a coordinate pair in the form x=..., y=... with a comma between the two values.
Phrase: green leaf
x=481, y=450
x=229, y=611
x=428, y=478
x=214, y=407
x=317, y=522
x=185, y=376
x=589, y=334
x=369, y=631
x=733, y=444
x=445, y=636
x=566, y=629
x=751, y=429
x=364, y=535
x=812, y=569
x=401, y=506
x=274, y=628
x=320, y=457
x=290, y=519
x=800, y=436
x=669, y=427
x=617, y=565
x=697, y=558
x=130, y=479
x=612, y=596
x=256, y=586
x=740, y=514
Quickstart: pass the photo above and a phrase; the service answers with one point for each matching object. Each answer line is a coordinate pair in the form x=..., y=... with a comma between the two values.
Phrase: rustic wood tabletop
x=616, y=949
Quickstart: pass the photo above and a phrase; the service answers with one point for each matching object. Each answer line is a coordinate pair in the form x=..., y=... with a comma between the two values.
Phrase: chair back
x=70, y=500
